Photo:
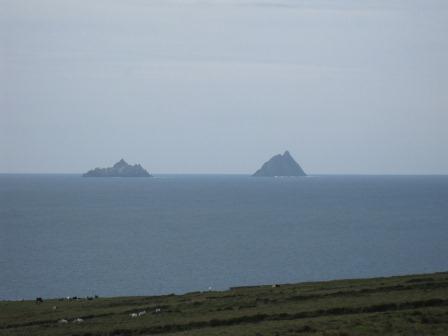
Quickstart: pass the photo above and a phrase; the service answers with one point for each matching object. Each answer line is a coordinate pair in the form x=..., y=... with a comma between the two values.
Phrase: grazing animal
x=133, y=315
x=158, y=310
x=63, y=321
x=143, y=312
x=78, y=320
x=39, y=300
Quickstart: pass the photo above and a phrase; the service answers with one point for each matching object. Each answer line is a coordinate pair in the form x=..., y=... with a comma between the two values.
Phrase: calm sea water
x=64, y=235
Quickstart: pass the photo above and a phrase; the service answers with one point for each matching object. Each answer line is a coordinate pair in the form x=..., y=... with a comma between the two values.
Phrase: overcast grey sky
x=347, y=86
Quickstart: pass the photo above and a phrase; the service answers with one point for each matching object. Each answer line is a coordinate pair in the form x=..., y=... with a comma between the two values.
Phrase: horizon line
x=245, y=174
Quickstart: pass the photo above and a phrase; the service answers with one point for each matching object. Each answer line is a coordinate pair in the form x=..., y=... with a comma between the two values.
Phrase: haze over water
x=63, y=235
x=217, y=86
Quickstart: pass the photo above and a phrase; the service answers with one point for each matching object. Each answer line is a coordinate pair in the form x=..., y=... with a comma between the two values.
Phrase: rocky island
x=120, y=169
x=280, y=165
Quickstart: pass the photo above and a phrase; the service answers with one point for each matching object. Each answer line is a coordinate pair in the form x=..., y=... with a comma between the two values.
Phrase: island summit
x=120, y=169
x=280, y=165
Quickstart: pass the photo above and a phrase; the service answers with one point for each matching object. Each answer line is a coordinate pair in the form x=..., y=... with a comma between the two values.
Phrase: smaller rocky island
x=120, y=169
x=280, y=165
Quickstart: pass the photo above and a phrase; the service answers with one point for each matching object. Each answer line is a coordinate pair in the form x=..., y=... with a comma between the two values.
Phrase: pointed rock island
x=280, y=165
x=120, y=169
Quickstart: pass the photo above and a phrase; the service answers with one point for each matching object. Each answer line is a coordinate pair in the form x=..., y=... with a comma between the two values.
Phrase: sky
x=347, y=86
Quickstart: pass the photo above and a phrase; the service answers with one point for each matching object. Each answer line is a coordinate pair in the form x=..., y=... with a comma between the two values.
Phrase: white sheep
x=143, y=312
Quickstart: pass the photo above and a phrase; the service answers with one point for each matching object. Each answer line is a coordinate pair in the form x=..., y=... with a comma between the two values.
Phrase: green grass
x=404, y=305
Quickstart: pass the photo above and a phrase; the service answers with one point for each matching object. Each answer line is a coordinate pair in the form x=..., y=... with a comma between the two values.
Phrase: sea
x=64, y=235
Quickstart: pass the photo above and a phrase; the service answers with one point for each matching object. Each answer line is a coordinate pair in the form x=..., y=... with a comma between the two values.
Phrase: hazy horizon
x=222, y=86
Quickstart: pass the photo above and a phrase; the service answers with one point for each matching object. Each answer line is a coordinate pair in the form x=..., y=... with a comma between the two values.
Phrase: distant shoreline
x=248, y=286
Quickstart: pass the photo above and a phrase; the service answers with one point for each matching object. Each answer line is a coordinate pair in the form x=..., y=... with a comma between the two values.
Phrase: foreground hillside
x=406, y=305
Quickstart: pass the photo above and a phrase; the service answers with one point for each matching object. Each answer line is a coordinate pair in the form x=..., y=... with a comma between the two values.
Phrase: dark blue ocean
x=64, y=235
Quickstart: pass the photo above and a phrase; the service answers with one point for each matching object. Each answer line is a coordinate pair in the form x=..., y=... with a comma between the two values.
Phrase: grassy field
x=404, y=305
